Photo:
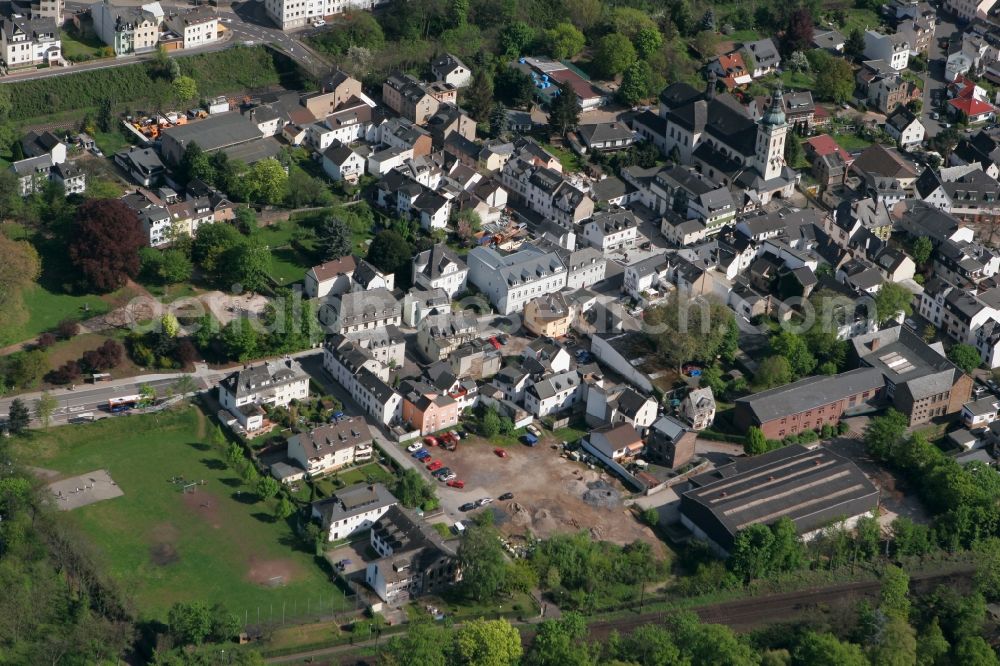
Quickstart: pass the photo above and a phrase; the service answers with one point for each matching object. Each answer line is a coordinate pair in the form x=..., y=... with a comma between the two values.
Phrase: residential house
x=447, y=120
x=905, y=127
x=830, y=40
x=813, y=488
x=809, y=403
x=670, y=443
x=196, y=27
x=764, y=58
x=554, y=393
x=72, y=178
x=291, y=14
x=413, y=560
x=451, y=70
x=893, y=49
x=419, y=303
x=971, y=110
x=611, y=231
x=143, y=165
x=330, y=278
x=698, y=408
x=358, y=311
x=353, y=509
x=438, y=335
x=330, y=447
x=440, y=268
x=337, y=91
x=968, y=194
x=509, y=282
x=127, y=29
x=272, y=383
x=549, y=315
x=29, y=42
x=410, y=98
x=731, y=70
x=585, y=267
x=614, y=443
x=980, y=413
x=340, y=162
x=647, y=279
x=606, y=137
x=619, y=404
x=426, y=409
x=153, y=216
x=546, y=191
x=968, y=10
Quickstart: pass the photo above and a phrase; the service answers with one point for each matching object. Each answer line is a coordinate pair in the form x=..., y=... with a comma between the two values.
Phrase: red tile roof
x=824, y=144
x=971, y=107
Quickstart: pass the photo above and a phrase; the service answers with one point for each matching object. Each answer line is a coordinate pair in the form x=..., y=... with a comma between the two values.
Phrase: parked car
x=413, y=448
x=454, y=433
x=496, y=343
x=503, y=339
x=422, y=455
x=530, y=440
x=483, y=501
x=500, y=452
x=438, y=473
x=468, y=506
x=455, y=483
x=435, y=465
x=533, y=430
x=447, y=477
x=430, y=441
x=506, y=496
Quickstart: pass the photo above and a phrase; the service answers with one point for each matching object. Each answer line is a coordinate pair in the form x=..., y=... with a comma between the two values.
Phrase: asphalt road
x=245, y=22
x=93, y=398
x=934, y=76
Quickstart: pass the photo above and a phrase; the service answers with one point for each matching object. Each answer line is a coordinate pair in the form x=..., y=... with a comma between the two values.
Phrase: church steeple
x=712, y=81
x=771, y=134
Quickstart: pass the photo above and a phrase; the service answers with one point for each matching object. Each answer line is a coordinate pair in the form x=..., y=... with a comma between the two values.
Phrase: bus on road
x=123, y=403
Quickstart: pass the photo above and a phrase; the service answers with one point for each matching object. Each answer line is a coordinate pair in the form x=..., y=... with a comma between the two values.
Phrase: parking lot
x=552, y=494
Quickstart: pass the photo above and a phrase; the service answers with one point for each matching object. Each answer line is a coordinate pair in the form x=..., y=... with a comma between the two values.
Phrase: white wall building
x=511, y=281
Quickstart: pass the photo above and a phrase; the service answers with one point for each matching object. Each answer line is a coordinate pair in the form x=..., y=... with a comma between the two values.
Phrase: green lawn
x=288, y=264
x=50, y=300
x=570, y=161
x=798, y=80
x=78, y=47
x=742, y=36
x=861, y=19
x=851, y=142
x=110, y=142
x=218, y=544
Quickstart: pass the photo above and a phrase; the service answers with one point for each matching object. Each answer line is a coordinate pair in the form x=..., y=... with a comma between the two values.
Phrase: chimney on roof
x=875, y=343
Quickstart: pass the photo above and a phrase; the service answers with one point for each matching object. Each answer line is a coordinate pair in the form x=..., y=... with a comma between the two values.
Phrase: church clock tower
x=771, y=134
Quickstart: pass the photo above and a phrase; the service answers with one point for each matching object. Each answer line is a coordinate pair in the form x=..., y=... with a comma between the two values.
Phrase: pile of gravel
x=602, y=495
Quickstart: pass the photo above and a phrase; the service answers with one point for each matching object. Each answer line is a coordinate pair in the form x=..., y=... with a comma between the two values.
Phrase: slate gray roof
x=550, y=386
x=353, y=500
x=217, y=131
x=344, y=434
x=604, y=132
x=812, y=488
x=905, y=360
x=810, y=393
x=257, y=379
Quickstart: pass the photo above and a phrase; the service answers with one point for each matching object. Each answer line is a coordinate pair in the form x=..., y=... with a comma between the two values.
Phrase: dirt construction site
x=552, y=494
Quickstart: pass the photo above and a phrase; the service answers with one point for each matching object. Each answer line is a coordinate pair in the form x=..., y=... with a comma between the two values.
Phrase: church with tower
x=715, y=134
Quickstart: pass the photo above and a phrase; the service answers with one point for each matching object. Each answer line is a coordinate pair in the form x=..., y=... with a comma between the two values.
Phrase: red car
x=455, y=483
x=430, y=441
x=500, y=452
x=496, y=343
x=434, y=464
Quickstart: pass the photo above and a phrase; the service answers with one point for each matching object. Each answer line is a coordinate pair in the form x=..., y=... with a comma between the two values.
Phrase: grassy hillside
x=231, y=70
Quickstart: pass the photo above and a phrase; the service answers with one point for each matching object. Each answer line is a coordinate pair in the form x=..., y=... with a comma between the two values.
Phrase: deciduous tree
x=106, y=239
x=564, y=41
x=965, y=356
x=613, y=55
x=488, y=643
x=564, y=112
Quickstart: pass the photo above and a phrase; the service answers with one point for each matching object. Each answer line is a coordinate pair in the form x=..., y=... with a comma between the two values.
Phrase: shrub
x=808, y=436
x=46, y=340
x=65, y=374
x=67, y=328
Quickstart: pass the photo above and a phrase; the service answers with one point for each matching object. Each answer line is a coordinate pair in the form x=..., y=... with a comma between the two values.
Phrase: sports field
x=218, y=543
